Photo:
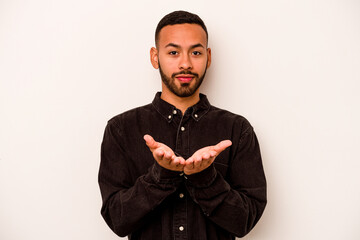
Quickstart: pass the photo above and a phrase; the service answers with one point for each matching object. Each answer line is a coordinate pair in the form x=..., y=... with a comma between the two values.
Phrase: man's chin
x=184, y=85
x=185, y=93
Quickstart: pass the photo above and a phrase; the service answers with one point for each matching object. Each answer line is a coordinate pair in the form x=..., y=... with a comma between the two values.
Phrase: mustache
x=187, y=72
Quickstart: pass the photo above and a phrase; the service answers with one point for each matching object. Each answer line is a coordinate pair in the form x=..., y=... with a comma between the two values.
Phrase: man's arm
x=127, y=200
x=237, y=203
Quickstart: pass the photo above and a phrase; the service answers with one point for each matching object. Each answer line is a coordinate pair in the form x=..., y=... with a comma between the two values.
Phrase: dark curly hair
x=179, y=17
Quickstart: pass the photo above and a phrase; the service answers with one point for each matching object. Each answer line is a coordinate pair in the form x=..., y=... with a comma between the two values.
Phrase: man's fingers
x=197, y=162
x=207, y=155
x=150, y=142
x=212, y=153
x=149, y=139
x=190, y=162
x=164, y=155
x=181, y=160
x=178, y=161
x=168, y=155
x=159, y=153
x=221, y=146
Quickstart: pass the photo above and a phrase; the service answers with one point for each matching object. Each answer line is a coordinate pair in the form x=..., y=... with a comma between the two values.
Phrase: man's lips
x=185, y=78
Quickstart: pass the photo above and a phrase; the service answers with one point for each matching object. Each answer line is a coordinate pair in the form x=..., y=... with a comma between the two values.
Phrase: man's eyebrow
x=172, y=45
x=178, y=46
x=197, y=45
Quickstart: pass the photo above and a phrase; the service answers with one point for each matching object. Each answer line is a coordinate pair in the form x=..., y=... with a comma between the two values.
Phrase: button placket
x=180, y=215
x=182, y=137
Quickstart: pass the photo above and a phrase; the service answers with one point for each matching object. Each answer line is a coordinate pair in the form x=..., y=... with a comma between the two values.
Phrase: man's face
x=182, y=57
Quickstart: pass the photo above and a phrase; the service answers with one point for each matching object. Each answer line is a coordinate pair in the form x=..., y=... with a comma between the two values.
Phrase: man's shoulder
x=228, y=117
x=131, y=114
x=223, y=113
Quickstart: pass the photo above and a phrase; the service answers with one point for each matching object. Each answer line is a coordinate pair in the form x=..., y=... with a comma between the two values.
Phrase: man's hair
x=179, y=17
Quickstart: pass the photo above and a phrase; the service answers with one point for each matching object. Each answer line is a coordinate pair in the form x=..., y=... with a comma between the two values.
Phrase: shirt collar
x=168, y=110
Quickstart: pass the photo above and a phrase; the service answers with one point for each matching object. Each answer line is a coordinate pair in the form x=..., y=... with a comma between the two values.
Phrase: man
x=200, y=174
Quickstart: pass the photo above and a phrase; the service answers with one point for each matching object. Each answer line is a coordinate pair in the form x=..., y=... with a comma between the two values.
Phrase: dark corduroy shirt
x=143, y=200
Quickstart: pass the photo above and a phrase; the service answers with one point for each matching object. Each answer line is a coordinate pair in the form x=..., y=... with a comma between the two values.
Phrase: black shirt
x=143, y=200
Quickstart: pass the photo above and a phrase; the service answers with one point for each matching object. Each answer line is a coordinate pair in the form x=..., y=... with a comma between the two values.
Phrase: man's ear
x=208, y=57
x=154, y=57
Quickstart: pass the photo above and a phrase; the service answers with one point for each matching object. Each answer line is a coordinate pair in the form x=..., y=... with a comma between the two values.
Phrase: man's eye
x=196, y=53
x=173, y=53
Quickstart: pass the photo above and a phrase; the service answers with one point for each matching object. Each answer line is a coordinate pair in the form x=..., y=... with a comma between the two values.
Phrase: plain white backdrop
x=292, y=68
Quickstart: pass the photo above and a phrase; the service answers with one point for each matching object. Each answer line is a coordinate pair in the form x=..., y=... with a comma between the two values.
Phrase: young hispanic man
x=198, y=174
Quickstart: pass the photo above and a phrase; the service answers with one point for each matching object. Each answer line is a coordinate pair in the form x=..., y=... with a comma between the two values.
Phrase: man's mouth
x=185, y=78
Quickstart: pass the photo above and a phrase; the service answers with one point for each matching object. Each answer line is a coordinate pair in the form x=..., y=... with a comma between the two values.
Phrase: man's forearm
x=125, y=209
x=235, y=210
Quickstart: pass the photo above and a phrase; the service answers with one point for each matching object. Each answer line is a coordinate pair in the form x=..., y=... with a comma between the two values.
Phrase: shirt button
x=181, y=228
x=174, y=112
x=169, y=117
x=181, y=195
x=196, y=116
x=182, y=129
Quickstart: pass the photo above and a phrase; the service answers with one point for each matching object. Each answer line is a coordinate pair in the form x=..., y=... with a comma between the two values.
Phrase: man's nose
x=185, y=62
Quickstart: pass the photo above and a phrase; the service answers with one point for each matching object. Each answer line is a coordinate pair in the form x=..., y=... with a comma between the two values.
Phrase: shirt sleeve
x=127, y=202
x=237, y=202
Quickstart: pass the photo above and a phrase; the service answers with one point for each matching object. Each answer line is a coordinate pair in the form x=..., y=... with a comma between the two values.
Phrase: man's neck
x=181, y=103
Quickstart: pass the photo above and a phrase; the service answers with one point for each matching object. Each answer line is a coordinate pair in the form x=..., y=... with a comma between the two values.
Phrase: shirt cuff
x=202, y=179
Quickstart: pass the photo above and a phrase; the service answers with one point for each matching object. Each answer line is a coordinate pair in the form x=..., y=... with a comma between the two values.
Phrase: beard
x=185, y=89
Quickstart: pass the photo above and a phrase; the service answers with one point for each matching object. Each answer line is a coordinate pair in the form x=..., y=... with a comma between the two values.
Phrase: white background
x=292, y=68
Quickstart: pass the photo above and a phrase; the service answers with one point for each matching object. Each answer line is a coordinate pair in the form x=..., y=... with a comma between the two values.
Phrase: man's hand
x=164, y=155
x=198, y=162
x=204, y=157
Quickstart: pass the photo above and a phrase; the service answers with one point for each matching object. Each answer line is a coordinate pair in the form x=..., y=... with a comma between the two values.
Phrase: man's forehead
x=182, y=34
